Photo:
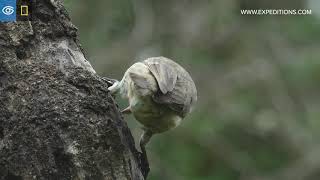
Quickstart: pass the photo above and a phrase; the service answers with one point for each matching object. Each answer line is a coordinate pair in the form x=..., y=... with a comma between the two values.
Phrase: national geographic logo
x=24, y=10
x=16, y=10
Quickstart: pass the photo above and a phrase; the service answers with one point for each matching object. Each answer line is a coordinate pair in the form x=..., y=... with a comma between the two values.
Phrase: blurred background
x=258, y=80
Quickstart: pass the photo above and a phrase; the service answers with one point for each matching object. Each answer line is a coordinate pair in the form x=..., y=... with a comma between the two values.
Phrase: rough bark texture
x=57, y=119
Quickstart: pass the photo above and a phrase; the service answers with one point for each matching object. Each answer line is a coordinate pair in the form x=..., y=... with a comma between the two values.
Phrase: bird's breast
x=157, y=118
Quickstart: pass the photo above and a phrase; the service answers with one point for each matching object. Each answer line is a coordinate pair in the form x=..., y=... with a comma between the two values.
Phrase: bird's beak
x=109, y=81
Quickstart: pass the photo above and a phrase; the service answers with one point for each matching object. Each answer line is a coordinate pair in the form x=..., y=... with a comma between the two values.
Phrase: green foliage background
x=258, y=77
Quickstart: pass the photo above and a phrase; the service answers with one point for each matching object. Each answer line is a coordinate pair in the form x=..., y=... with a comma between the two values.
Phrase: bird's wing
x=165, y=75
x=177, y=89
x=180, y=99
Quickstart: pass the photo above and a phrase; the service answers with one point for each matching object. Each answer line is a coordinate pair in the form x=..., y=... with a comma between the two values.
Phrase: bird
x=160, y=93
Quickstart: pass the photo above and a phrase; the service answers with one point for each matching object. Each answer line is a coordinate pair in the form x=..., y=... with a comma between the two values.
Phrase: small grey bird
x=160, y=93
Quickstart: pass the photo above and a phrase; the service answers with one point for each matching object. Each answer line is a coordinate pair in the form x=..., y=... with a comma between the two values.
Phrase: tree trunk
x=57, y=119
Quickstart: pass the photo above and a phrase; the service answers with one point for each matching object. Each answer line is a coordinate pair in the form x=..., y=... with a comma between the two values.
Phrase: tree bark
x=57, y=119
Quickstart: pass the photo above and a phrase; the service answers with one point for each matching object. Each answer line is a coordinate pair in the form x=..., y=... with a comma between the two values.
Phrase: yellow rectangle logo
x=24, y=10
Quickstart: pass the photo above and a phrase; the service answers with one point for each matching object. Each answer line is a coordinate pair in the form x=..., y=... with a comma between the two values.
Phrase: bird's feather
x=177, y=89
x=143, y=85
x=165, y=75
